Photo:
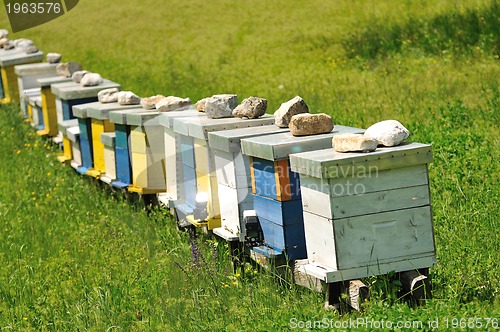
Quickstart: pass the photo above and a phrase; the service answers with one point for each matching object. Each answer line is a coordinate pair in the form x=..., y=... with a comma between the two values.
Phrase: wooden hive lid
x=72, y=90
x=18, y=58
x=167, y=118
x=48, y=81
x=98, y=110
x=42, y=68
x=120, y=117
x=230, y=140
x=280, y=146
x=331, y=164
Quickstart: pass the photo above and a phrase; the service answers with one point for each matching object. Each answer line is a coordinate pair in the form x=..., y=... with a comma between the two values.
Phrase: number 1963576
x=34, y=8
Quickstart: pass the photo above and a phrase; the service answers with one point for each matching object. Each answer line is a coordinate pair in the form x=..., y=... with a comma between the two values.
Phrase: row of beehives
x=341, y=215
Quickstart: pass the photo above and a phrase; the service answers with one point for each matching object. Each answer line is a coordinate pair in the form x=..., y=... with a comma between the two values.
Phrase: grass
x=75, y=257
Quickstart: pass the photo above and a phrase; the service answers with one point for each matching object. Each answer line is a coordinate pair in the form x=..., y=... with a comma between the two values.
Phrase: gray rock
x=54, y=57
x=108, y=95
x=149, y=103
x=4, y=41
x=172, y=103
x=9, y=45
x=128, y=98
x=30, y=49
x=78, y=75
x=23, y=42
x=310, y=124
x=200, y=104
x=388, y=132
x=221, y=106
x=353, y=143
x=4, y=33
x=288, y=109
x=91, y=79
x=251, y=108
x=67, y=69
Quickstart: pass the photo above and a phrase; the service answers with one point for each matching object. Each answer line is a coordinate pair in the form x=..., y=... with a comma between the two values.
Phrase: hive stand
x=122, y=152
x=49, y=108
x=69, y=94
x=367, y=214
x=27, y=76
x=8, y=60
x=198, y=164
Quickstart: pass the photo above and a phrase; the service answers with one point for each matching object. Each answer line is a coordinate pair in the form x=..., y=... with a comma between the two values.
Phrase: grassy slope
x=359, y=61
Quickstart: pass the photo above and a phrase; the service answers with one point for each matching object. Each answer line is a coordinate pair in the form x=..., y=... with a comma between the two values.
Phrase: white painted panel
x=320, y=243
x=110, y=162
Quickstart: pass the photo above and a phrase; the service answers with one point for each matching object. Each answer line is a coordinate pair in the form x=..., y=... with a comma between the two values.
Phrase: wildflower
x=18, y=152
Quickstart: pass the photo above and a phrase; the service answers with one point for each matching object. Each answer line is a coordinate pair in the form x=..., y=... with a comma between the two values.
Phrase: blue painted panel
x=122, y=134
x=280, y=213
x=67, y=106
x=187, y=150
x=2, y=95
x=265, y=179
x=86, y=149
x=290, y=239
x=123, y=167
x=189, y=184
x=41, y=123
x=85, y=126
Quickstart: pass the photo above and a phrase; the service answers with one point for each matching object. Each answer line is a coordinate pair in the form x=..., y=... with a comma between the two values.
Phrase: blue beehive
x=122, y=151
x=276, y=189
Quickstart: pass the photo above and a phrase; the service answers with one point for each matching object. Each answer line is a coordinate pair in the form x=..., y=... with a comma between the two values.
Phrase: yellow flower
x=18, y=151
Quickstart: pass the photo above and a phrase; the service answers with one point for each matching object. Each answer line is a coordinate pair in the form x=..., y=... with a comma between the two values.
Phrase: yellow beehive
x=49, y=108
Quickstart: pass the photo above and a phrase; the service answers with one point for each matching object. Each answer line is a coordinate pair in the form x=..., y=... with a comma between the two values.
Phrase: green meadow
x=76, y=256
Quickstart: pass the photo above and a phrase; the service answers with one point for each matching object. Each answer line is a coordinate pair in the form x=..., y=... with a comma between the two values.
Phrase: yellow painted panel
x=208, y=184
x=10, y=86
x=49, y=112
x=98, y=147
x=137, y=139
x=201, y=156
x=30, y=113
x=139, y=170
x=67, y=149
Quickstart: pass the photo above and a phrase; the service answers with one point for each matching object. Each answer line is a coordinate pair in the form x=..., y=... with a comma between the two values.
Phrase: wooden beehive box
x=234, y=183
x=99, y=118
x=173, y=153
x=27, y=76
x=31, y=93
x=73, y=135
x=49, y=109
x=109, y=142
x=276, y=188
x=199, y=162
x=70, y=94
x=35, y=109
x=80, y=111
x=147, y=152
x=122, y=152
x=67, y=154
x=9, y=59
x=366, y=213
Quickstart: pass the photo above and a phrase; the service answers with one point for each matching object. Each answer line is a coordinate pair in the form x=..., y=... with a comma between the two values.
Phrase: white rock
x=4, y=33
x=108, y=95
x=200, y=104
x=388, y=132
x=304, y=124
x=78, y=75
x=91, y=79
x=54, y=57
x=353, y=143
x=251, y=108
x=149, y=103
x=221, y=106
x=288, y=109
x=67, y=69
x=172, y=103
x=23, y=42
x=128, y=98
x=3, y=42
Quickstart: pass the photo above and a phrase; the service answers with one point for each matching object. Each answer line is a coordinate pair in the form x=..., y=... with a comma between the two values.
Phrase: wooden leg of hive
x=416, y=285
x=357, y=293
